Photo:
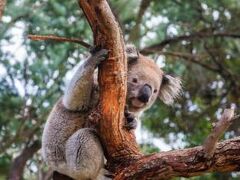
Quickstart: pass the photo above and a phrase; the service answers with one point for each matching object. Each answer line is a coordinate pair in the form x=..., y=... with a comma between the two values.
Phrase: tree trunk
x=119, y=143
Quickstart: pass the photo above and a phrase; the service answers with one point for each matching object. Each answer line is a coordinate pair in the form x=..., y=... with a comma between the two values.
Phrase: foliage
x=33, y=74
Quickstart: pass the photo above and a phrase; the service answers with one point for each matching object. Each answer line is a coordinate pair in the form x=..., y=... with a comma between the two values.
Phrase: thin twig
x=197, y=35
x=190, y=57
x=221, y=126
x=58, y=38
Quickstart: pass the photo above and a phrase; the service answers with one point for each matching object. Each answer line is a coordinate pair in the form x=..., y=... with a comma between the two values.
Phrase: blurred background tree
x=197, y=40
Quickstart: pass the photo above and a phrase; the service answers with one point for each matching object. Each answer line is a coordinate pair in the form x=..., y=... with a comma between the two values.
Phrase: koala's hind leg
x=78, y=93
x=84, y=155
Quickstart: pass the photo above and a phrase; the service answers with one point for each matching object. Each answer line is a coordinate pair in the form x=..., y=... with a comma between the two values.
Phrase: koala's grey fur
x=71, y=149
x=67, y=147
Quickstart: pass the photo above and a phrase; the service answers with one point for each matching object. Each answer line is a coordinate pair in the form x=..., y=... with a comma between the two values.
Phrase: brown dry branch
x=221, y=126
x=59, y=39
x=2, y=6
x=184, y=163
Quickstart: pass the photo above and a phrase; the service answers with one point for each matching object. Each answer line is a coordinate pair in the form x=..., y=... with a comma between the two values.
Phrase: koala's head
x=146, y=82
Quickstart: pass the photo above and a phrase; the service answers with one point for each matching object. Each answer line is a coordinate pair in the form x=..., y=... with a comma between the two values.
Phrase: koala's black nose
x=145, y=93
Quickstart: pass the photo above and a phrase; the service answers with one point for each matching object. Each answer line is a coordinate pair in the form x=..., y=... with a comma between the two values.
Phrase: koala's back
x=61, y=124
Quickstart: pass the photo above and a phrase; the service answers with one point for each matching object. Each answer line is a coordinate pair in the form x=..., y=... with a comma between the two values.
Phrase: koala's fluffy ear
x=132, y=53
x=170, y=89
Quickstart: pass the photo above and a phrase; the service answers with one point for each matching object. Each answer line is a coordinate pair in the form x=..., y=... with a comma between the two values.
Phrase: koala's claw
x=99, y=56
x=108, y=175
x=131, y=124
x=131, y=121
x=102, y=54
x=98, y=50
x=95, y=49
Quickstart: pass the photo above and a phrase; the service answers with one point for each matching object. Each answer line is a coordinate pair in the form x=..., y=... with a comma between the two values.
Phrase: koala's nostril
x=143, y=98
x=145, y=93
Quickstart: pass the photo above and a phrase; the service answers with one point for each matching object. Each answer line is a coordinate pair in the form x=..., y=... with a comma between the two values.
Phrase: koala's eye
x=155, y=90
x=135, y=80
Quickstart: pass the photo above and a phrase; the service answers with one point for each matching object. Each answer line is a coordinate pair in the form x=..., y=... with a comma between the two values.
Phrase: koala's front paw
x=131, y=121
x=98, y=55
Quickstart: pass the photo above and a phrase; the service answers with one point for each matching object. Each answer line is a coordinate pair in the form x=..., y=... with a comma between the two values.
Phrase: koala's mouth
x=135, y=103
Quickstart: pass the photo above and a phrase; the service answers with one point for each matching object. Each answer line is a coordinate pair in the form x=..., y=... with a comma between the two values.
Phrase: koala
x=145, y=83
x=71, y=148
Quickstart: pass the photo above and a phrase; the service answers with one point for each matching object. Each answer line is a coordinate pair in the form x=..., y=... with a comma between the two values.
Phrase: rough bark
x=18, y=164
x=119, y=143
x=185, y=163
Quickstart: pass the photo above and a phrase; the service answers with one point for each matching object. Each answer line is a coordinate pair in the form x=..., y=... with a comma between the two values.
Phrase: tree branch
x=198, y=35
x=192, y=58
x=18, y=164
x=220, y=127
x=185, y=163
x=58, y=38
x=135, y=32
